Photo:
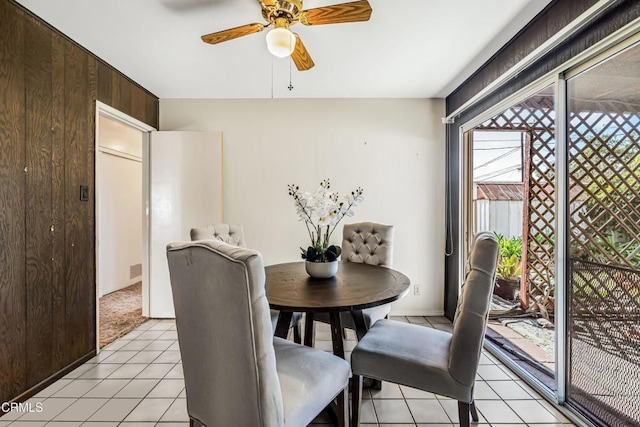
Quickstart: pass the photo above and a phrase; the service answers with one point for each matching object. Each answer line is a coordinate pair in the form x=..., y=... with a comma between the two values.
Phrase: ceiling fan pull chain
x=290, y=87
x=271, y=76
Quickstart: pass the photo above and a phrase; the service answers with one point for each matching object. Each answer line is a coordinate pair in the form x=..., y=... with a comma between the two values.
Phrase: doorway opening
x=511, y=192
x=119, y=225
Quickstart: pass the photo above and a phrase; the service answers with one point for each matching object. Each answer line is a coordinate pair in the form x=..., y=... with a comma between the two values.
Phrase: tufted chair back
x=234, y=235
x=231, y=234
x=472, y=312
x=368, y=243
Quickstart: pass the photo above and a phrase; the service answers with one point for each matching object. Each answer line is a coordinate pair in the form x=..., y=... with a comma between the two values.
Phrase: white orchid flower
x=322, y=210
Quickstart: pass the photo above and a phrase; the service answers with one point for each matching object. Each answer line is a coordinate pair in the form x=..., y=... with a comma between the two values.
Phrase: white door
x=185, y=191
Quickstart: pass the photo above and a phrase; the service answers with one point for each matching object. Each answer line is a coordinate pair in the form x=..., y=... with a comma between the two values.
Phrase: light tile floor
x=137, y=381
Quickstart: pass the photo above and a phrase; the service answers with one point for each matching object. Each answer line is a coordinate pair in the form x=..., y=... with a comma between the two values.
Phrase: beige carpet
x=120, y=313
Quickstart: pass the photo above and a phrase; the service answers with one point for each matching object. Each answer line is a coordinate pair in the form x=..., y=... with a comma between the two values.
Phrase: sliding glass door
x=555, y=173
x=603, y=218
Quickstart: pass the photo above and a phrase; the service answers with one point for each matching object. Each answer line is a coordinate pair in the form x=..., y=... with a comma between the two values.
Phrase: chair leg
x=463, y=413
x=297, y=334
x=474, y=412
x=356, y=399
x=343, y=407
x=308, y=330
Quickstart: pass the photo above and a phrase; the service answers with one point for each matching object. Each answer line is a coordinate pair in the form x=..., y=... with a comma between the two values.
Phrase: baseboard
x=53, y=378
x=134, y=281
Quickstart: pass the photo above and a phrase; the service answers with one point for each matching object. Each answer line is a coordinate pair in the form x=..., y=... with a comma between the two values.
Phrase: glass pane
x=604, y=240
x=514, y=196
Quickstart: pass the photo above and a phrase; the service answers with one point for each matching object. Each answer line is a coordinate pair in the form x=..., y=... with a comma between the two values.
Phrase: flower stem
x=338, y=221
x=309, y=231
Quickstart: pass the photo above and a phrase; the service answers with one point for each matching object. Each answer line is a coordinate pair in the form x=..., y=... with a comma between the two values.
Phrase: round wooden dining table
x=355, y=287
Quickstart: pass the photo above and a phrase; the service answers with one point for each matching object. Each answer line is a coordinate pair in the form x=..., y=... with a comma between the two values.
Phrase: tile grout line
x=166, y=351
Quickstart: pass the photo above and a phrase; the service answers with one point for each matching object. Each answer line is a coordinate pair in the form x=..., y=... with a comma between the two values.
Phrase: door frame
x=125, y=119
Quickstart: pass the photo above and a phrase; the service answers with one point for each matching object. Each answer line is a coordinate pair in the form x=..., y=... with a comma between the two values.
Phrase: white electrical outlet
x=416, y=289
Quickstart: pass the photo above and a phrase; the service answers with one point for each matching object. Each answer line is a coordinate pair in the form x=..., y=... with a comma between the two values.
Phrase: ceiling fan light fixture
x=281, y=42
x=281, y=14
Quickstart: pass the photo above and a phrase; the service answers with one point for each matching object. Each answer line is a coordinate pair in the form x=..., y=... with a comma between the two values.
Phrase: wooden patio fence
x=536, y=117
x=604, y=189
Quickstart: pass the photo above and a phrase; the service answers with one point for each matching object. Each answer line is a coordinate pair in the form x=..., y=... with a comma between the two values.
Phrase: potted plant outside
x=509, y=268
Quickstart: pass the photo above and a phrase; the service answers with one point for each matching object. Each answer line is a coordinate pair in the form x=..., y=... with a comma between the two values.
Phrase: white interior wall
x=119, y=205
x=393, y=148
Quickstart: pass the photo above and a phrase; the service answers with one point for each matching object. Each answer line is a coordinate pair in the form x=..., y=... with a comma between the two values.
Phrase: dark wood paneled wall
x=13, y=325
x=117, y=91
x=48, y=89
x=39, y=268
x=558, y=14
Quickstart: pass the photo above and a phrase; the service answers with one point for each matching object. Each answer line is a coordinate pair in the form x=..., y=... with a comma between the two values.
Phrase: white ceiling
x=409, y=48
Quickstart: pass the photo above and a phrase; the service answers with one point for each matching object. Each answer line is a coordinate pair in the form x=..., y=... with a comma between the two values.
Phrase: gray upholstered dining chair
x=236, y=372
x=429, y=359
x=234, y=235
x=367, y=243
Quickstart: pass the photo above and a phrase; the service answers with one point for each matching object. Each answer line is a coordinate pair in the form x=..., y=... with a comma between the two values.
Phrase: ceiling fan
x=282, y=14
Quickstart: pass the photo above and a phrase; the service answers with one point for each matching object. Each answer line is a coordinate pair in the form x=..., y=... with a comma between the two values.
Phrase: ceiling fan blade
x=301, y=56
x=232, y=33
x=188, y=5
x=356, y=11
